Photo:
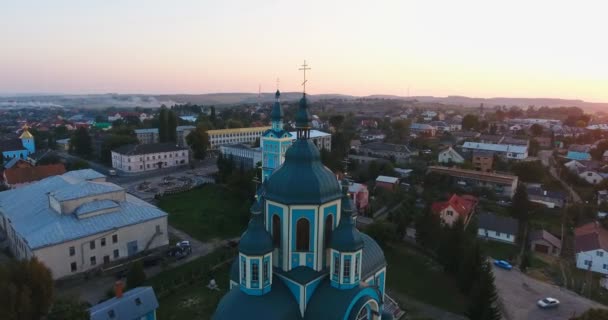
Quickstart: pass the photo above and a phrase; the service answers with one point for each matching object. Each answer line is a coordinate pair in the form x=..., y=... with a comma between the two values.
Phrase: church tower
x=27, y=140
x=255, y=256
x=275, y=141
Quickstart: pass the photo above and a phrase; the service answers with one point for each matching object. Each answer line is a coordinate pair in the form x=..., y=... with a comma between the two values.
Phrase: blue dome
x=277, y=111
x=302, y=179
x=278, y=304
x=256, y=241
x=346, y=237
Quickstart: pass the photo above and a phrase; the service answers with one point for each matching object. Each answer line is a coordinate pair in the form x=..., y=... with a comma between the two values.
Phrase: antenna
x=304, y=68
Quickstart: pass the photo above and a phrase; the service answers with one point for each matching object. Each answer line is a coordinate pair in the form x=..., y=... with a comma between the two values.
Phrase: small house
x=136, y=304
x=387, y=183
x=497, y=228
x=544, y=242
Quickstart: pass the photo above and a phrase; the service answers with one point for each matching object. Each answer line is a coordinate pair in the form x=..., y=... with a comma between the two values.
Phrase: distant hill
x=228, y=99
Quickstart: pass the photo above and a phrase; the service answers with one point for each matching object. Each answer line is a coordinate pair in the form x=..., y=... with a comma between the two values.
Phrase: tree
x=521, y=203
x=534, y=147
x=382, y=231
x=198, y=140
x=81, y=143
x=163, y=125
x=171, y=127
x=525, y=261
x=593, y=314
x=72, y=309
x=400, y=131
x=451, y=246
x=483, y=298
x=212, y=116
x=26, y=288
x=113, y=142
x=470, y=266
x=428, y=226
x=536, y=130
x=470, y=122
x=136, y=275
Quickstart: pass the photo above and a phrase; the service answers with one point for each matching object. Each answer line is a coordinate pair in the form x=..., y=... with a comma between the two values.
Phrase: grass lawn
x=499, y=250
x=211, y=211
x=192, y=299
x=417, y=276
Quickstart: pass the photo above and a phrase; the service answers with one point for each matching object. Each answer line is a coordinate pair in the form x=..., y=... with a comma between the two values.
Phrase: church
x=19, y=148
x=302, y=256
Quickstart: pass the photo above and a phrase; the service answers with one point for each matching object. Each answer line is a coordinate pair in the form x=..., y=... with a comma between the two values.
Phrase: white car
x=548, y=302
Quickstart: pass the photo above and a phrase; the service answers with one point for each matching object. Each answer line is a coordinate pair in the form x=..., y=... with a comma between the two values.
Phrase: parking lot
x=519, y=293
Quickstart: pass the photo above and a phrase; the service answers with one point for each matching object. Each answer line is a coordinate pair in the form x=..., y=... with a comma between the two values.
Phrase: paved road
x=519, y=294
x=545, y=156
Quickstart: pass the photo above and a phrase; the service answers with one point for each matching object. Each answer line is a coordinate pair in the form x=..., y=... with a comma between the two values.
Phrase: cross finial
x=304, y=68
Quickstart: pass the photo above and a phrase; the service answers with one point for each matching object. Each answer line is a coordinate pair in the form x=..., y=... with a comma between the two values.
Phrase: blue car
x=503, y=264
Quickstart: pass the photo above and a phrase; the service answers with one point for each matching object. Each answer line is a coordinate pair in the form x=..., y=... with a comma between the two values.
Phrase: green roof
x=373, y=257
x=278, y=304
x=303, y=114
x=277, y=111
x=346, y=237
x=302, y=179
x=256, y=240
x=329, y=303
x=301, y=274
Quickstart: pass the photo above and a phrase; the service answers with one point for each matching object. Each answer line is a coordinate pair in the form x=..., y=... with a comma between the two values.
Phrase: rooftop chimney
x=118, y=287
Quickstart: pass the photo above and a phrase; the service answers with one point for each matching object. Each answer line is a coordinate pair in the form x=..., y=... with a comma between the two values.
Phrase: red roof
x=24, y=175
x=463, y=205
x=591, y=236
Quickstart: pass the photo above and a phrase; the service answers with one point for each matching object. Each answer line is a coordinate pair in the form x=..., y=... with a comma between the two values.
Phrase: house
x=399, y=152
x=507, y=151
x=456, y=207
x=373, y=135
x=235, y=135
x=591, y=247
x=147, y=136
x=17, y=163
x=78, y=222
x=550, y=199
x=360, y=195
x=16, y=177
x=181, y=132
x=501, y=184
x=544, y=242
x=242, y=155
x=387, y=183
x=423, y=129
x=139, y=303
x=578, y=152
x=593, y=177
x=440, y=126
x=575, y=166
x=497, y=228
x=483, y=161
x=366, y=160
x=450, y=155
x=455, y=125
x=428, y=115
x=146, y=157
x=63, y=144
x=465, y=135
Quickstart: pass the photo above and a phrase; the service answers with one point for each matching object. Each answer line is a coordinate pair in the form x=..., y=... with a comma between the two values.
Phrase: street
x=519, y=293
x=545, y=156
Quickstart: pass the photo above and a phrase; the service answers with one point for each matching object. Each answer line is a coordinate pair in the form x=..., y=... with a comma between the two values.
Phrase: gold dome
x=26, y=134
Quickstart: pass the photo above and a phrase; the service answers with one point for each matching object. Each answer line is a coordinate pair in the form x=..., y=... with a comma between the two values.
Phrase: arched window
x=276, y=231
x=329, y=224
x=302, y=235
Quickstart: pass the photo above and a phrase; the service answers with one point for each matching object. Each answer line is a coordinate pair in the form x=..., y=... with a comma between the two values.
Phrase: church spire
x=303, y=117
x=276, y=115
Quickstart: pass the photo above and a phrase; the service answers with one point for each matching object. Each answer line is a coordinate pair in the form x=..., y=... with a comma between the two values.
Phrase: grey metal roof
x=373, y=257
x=95, y=206
x=84, y=174
x=490, y=221
x=84, y=189
x=32, y=218
x=134, y=304
x=136, y=149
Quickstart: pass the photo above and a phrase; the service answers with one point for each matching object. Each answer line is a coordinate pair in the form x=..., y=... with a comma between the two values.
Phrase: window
x=508, y=236
x=357, y=266
x=265, y=271
x=276, y=231
x=588, y=174
x=158, y=229
x=336, y=265
x=114, y=238
x=329, y=224
x=73, y=266
x=450, y=213
x=106, y=259
x=587, y=263
x=92, y=244
x=497, y=234
x=93, y=260
x=111, y=314
x=116, y=254
x=103, y=242
x=137, y=301
x=346, y=273
x=605, y=267
x=599, y=253
x=302, y=235
x=72, y=251
x=244, y=271
x=255, y=272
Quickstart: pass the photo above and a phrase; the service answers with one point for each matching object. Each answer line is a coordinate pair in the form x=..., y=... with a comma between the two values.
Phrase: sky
x=484, y=48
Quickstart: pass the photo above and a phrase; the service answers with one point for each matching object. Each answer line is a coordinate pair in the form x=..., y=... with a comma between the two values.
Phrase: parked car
x=548, y=303
x=181, y=250
x=503, y=264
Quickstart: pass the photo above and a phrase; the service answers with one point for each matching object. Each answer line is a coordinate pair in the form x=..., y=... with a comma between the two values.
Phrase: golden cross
x=304, y=68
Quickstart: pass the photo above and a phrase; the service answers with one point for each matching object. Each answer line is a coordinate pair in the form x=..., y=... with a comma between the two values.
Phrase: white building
x=508, y=151
x=591, y=247
x=450, y=155
x=146, y=157
x=233, y=136
x=593, y=177
x=321, y=139
x=78, y=222
x=242, y=154
x=497, y=228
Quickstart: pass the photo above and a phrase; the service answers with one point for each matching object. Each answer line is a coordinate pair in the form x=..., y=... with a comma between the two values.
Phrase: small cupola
x=255, y=255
